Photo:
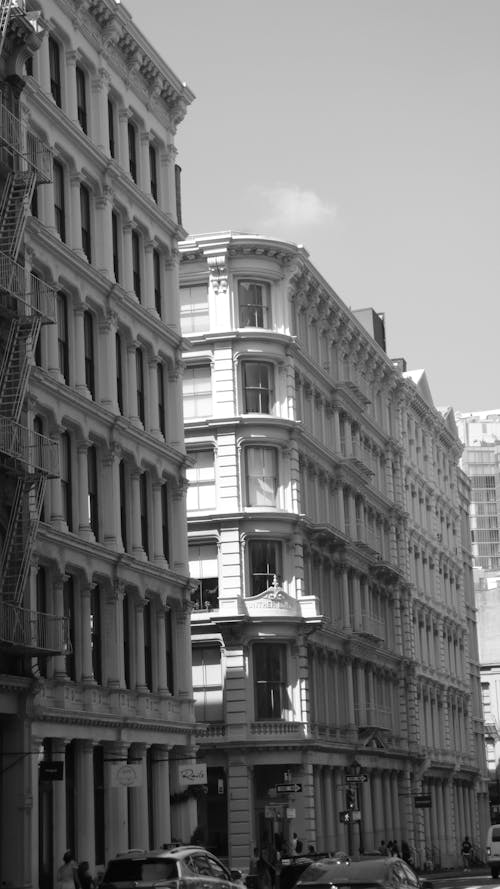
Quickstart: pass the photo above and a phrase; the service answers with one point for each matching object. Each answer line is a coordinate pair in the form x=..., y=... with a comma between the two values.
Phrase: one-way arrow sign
x=288, y=788
x=356, y=779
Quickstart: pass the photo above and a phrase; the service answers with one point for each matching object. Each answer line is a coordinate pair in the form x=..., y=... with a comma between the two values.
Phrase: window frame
x=59, y=191
x=66, y=454
x=153, y=171
x=192, y=321
x=267, y=687
x=93, y=489
x=132, y=150
x=89, y=351
x=140, y=384
x=200, y=553
x=162, y=406
x=111, y=127
x=157, y=282
x=81, y=97
x=252, y=499
x=259, y=391
x=260, y=311
x=63, y=336
x=116, y=244
x=86, y=220
x=253, y=561
x=200, y=481
x=55, y=70
x=136, y=264
x=199, y=397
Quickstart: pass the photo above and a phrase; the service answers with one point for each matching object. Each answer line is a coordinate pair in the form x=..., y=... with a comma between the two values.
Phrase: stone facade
x=333, y=625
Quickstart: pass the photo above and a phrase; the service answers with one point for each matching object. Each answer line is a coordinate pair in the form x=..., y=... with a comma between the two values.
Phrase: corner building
x=96, y=707
x=334, y=642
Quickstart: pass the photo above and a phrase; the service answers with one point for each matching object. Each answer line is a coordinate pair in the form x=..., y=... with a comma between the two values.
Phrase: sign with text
x=196, y=773
x=356, y=779
x=423, y=801
x=288, y=788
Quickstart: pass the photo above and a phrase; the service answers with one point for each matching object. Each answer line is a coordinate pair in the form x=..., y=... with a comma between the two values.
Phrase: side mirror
x=236, y=874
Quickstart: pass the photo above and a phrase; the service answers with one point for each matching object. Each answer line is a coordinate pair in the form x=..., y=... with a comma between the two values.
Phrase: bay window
x=270, y=681
x=201, y=478
x=261, y=476
x=264, y=563
x=207, y=684
x=194, y=308
x=257, y=387
x=197, y=391
x=203, y=567
x=254, y=304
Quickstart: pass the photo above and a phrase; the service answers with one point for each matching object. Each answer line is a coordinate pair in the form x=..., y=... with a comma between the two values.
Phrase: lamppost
x=354, y=777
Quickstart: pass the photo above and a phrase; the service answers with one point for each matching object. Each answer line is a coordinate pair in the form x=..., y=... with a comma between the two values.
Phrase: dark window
x=34, y=204
x=257, y=386
x=170, y=652
x=254, y=304
x=62, y=336
x=55, y=70
x=164, y=521
x=95, y=634
x=264, y=558
x=119, y=372
x=178, y=198
x=116, y=246
x=29, y=66
x=38, y=455
x=111, y=127
x=143, y=498
x=93, y=504
x=139, y=363
x=123, y=503
x=157, y=281
x=271, y=698
x=88, y=339
x=136, y=264
x=203, y=566
x=126, y=640
x=85, y=217
x=153, y=172
x=148, y=657
x=161, y=398
x=59, y=201
x=69, y=613
x=81, y=98
x=132, y=151
x=66, y=492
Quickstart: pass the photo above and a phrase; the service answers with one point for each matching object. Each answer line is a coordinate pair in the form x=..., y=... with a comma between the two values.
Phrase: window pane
x=197, y=391
x=253, y=299
x=201, y=478
x=264, y=564
x=194, y=308
x=257, y=387
x=261, y=476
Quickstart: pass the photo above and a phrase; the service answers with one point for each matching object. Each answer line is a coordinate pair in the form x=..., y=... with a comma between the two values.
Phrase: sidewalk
x=433, y=875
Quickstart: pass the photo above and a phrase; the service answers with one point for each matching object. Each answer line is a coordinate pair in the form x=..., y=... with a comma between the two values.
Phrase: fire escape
x=27, y=458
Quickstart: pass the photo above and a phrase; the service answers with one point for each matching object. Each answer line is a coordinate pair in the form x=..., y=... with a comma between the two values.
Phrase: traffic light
x=345, y=817
x=350, y=799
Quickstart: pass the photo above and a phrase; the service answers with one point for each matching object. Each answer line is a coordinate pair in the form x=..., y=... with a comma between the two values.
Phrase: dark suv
x=373, y=872
x=176, y=867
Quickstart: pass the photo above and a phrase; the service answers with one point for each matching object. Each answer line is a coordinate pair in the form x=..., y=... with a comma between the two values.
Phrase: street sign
x=288, y=788
x=423, y=801
x=356, y=779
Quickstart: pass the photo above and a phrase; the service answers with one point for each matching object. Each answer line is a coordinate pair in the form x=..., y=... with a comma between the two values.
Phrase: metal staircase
x=5, y=7
x=21, y=534
x=14, y=207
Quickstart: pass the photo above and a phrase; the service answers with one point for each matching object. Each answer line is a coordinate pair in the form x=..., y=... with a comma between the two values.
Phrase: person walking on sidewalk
x=466, y=853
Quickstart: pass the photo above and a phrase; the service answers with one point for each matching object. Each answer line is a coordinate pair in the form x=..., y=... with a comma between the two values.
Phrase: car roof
x=354, y=871
x=169, y=852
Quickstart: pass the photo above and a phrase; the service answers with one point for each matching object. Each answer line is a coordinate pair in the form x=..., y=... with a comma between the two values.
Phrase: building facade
x=96, y=708
x=335, y=664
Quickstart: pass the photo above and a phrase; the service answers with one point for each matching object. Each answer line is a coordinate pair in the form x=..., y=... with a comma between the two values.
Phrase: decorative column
x=182, y=651
x=107, y=342
x=42, y=67
x=123, y=152
x=100, y=129
x=115, y=801
x=350, y=694
x=158, y=556
x=140, y=665
x=57, y=519
x=131, y=407
x=112, y=537
x=80, y=382
x=58, y=581
x=104, y=234
x=175, y=418
x=144, y=167
x=70, y=83
x=330, y=813
x=179, y=560
x=172, y=299
x=76, y=215
x=378, y=808
x=84, y=811
x=138, y=800
x=160, y=790
x=149, y=285
x=367, y=813
x=161, y=648
x=346, y=605
x=84, y=529
x=128, y=268
x=167, y=180
x=137, y=548
x=59, y=841
x=152, y=405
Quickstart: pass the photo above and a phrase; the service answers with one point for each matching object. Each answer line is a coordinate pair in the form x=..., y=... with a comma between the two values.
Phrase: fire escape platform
x=38, y=452
x=17, y=140
x=23, y=631
x=21, y=289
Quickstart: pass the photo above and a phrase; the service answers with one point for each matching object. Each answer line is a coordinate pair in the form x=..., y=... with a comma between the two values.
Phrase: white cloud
x=282, y=206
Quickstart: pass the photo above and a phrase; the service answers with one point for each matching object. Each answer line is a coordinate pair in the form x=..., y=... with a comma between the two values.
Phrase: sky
x=369, y=132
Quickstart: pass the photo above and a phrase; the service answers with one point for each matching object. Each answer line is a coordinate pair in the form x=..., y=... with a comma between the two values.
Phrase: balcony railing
x=33, y=631
x=15, y=138
x=34, y=450
x=374, y=717
x=19, y=286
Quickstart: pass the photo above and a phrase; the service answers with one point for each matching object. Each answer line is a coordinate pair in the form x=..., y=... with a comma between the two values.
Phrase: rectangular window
x=123, y=503
x=254, y=304
x=111, y=127
x=157, y=280
x=55, y=70
x=197, y=391
x=59, y=201
x=62, y=336
x=139, y=364
x=264, y=559
x=115, y=245
x=164, y=521
x=88, y=341
x=161, y=397
x=261, y=476
x=81, y=98
x=143, y=501
x=67, y=501
x=257, y=387
x=96, y=634
x=203, y=567
x=271, y=697
x=136, y=264
x=93, y=498
x=194, y=308
x=132, y=151
x=119, y=372
x=201, y=478
x=153, y=172
x=85, y=219
x=207, y=684
x=148, y=652
x=69, y=614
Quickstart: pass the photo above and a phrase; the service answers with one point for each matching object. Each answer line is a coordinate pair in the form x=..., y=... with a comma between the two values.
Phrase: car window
x=161, y=869
x=217, y=869
x=199, y=864
x=133, y=870
x=495, y=834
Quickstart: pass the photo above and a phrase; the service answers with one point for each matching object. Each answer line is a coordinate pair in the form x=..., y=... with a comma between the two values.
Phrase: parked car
x=375, y=872
x=493, y=850
x=174, y=867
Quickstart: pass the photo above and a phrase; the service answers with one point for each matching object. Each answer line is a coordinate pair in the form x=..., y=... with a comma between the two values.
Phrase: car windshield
x=140, y=870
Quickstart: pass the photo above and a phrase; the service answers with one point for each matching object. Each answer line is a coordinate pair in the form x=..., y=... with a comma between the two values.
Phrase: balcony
x=39, y=453
x=16, y=139
x=373, y=627
x=369, y=717
x=18, y=287
x=32, y=632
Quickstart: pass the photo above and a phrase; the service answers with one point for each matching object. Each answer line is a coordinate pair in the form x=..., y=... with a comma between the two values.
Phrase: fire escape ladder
x=16, y=362
x=14, y=208
x=5, y=6
x=20, y=537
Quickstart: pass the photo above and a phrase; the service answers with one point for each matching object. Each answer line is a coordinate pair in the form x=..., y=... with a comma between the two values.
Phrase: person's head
x=68, y=856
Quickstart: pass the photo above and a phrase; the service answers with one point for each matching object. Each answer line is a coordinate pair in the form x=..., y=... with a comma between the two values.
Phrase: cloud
x=285, y=206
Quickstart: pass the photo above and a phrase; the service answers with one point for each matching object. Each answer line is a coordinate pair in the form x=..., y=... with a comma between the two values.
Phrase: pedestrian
x=67, y=874
x=254, y=880
x=85, y=878
x=389, y=848
x=311, y=850
x=382, y=848
x=466, y=853
x=394, y=849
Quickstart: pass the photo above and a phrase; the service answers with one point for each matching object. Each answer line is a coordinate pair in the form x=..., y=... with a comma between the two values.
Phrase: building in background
x=335, y=662
x=95, y=687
